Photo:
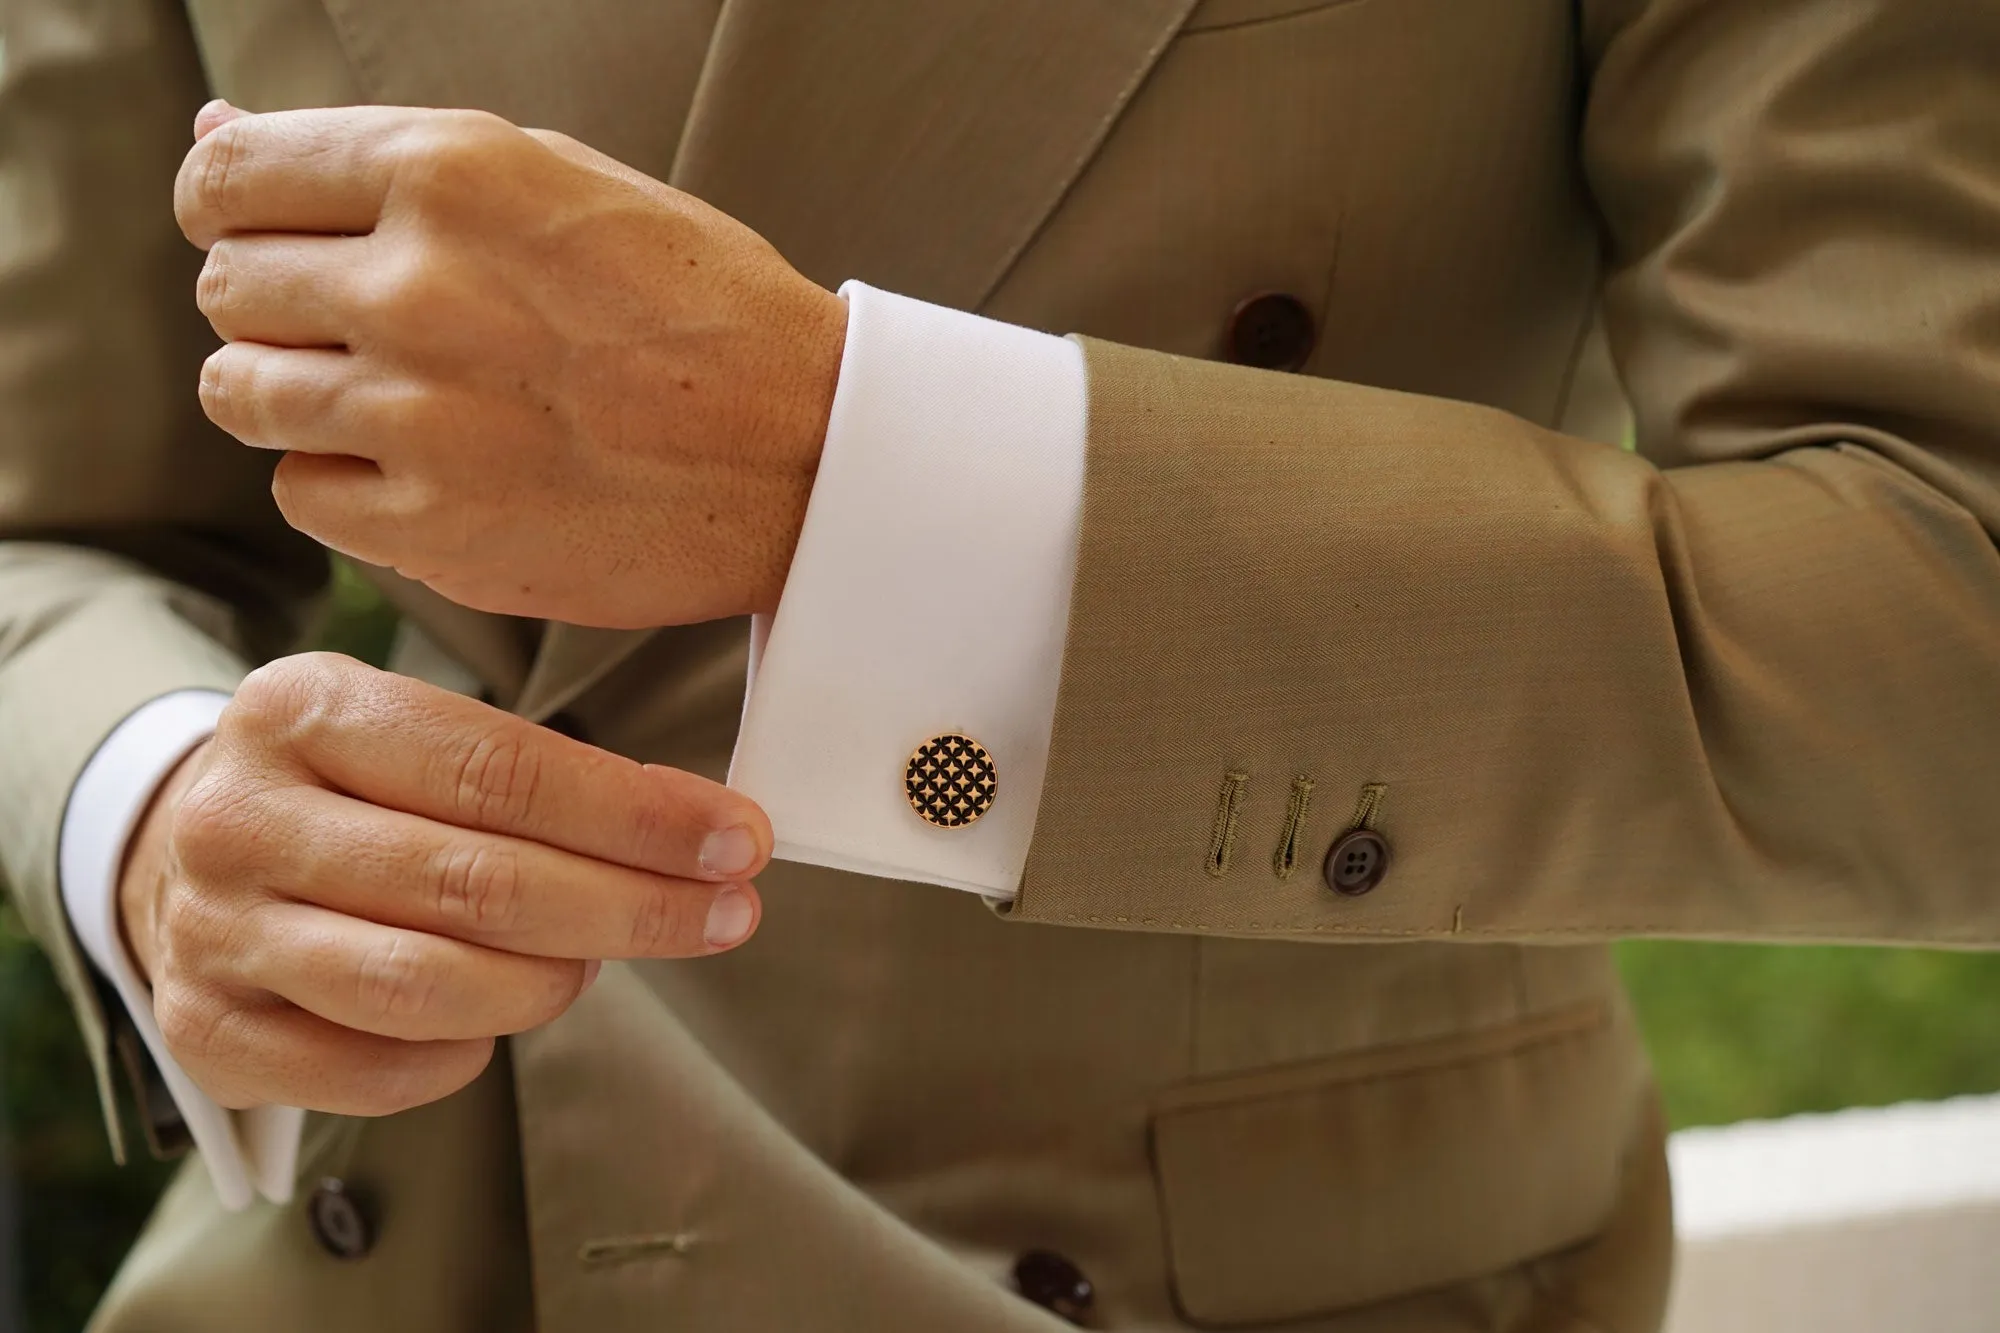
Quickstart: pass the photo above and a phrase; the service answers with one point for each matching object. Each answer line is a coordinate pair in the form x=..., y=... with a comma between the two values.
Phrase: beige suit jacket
x=1739, y=683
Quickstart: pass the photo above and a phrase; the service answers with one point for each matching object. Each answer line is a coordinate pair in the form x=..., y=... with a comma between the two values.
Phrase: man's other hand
x=508, y=366
x=362, y=880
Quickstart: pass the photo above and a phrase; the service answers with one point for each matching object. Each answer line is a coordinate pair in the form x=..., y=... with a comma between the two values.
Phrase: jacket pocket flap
x=1317, y=1188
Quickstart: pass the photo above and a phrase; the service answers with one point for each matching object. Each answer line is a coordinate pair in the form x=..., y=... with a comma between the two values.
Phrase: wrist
x=820, y=346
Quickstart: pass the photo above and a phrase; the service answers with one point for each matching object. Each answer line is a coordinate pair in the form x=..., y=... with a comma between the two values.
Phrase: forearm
x=1747, y=699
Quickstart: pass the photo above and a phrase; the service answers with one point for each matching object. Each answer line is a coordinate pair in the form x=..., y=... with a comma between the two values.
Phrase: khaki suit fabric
x=1737, y=683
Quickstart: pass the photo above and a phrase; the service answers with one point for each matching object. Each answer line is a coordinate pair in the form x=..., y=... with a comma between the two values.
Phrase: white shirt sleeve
x=929, y=594
x=244, y=1149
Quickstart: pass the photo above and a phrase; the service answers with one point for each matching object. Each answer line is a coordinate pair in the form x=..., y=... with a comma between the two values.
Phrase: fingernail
x=590, y=971
x=729, y=852
x=729, y=918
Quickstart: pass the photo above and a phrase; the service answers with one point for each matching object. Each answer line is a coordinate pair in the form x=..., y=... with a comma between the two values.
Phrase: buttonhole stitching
x=619, y=1249
x=1222, y=840
x=1369, y=809
x=1286, y=859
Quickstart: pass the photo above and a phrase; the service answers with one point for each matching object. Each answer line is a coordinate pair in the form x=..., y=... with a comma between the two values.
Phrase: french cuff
x=897, y=716
x=244, y=1150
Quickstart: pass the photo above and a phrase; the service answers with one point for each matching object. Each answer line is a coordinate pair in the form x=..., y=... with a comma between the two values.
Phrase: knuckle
x=185, y=922
x=272, y=690
x=383, y=299
x=406, y=301
x=209, y=937
x=659, y=825
x=498, y=779
x=295, y=700
x=437, y=157
x=396, y=979
x=213, y=188
x=213, y=288
x=477, y=886
x=408, y=411
x=555, y=139
x=652, y=924
x=214, y=820
x=217, y=387
x=210, y=185
x=193, y=1022
x=179, y=927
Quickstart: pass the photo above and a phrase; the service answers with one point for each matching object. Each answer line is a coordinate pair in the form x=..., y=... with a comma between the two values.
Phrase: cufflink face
x=951, y=780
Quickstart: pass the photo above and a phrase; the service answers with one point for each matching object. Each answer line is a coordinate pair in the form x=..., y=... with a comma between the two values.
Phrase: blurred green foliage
x=1737, y=1032
x=1745, y=1032
x=356, y=620
x=75, y=1212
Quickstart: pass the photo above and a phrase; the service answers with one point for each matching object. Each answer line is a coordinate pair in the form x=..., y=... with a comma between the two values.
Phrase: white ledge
x=1779, y=1174
x=1861, y=1221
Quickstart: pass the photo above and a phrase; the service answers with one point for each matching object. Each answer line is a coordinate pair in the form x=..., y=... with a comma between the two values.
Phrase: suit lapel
x=914, y=144
x=615, y=74
x=573, y=658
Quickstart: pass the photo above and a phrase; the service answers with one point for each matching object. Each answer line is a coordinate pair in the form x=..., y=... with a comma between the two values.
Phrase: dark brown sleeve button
x=340, y=1221
x=1357, y=862
x=1272, y=331
x=567, y=724
x=1055, y=1284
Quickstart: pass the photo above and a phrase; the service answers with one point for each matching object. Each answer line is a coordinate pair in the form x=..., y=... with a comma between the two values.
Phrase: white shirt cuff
x=245, y=1149
x=929, y=594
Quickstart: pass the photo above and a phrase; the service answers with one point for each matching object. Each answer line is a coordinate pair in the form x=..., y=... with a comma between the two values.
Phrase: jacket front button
x=1271, y=331
x=339, y=1221
x=1357, y=862
x=1055, y=1284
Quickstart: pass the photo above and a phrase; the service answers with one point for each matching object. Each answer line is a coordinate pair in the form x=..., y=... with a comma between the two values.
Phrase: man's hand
x=362, y=880
x=507, y=365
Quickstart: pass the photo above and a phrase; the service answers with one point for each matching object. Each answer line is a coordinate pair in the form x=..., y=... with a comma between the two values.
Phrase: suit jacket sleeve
x=1744, y=683
x=139, y=550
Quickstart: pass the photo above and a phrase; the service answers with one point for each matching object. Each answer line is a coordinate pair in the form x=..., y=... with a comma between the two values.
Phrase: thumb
x=213, y=117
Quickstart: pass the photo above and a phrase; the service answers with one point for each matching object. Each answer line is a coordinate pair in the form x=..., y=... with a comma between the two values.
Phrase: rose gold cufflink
x=951, y=780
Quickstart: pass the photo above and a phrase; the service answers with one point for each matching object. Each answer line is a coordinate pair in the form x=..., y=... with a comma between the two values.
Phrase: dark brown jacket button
x=567, y=724
x=1357, y=862
x=339, y=1221
x=1271, y=331
x=1055, y=1284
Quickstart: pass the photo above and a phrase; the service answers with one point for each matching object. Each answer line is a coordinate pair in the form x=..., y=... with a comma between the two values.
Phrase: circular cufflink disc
x=951, y=780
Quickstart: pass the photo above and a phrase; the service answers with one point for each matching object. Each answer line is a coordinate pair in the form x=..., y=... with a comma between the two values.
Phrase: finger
x=291, y=398
x=396, y=982
x=213, y=116
x=265, y=1051
x=401, y=870
x=318, y=170
x=283, y=289
x=411, y=746
x=345, y=504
